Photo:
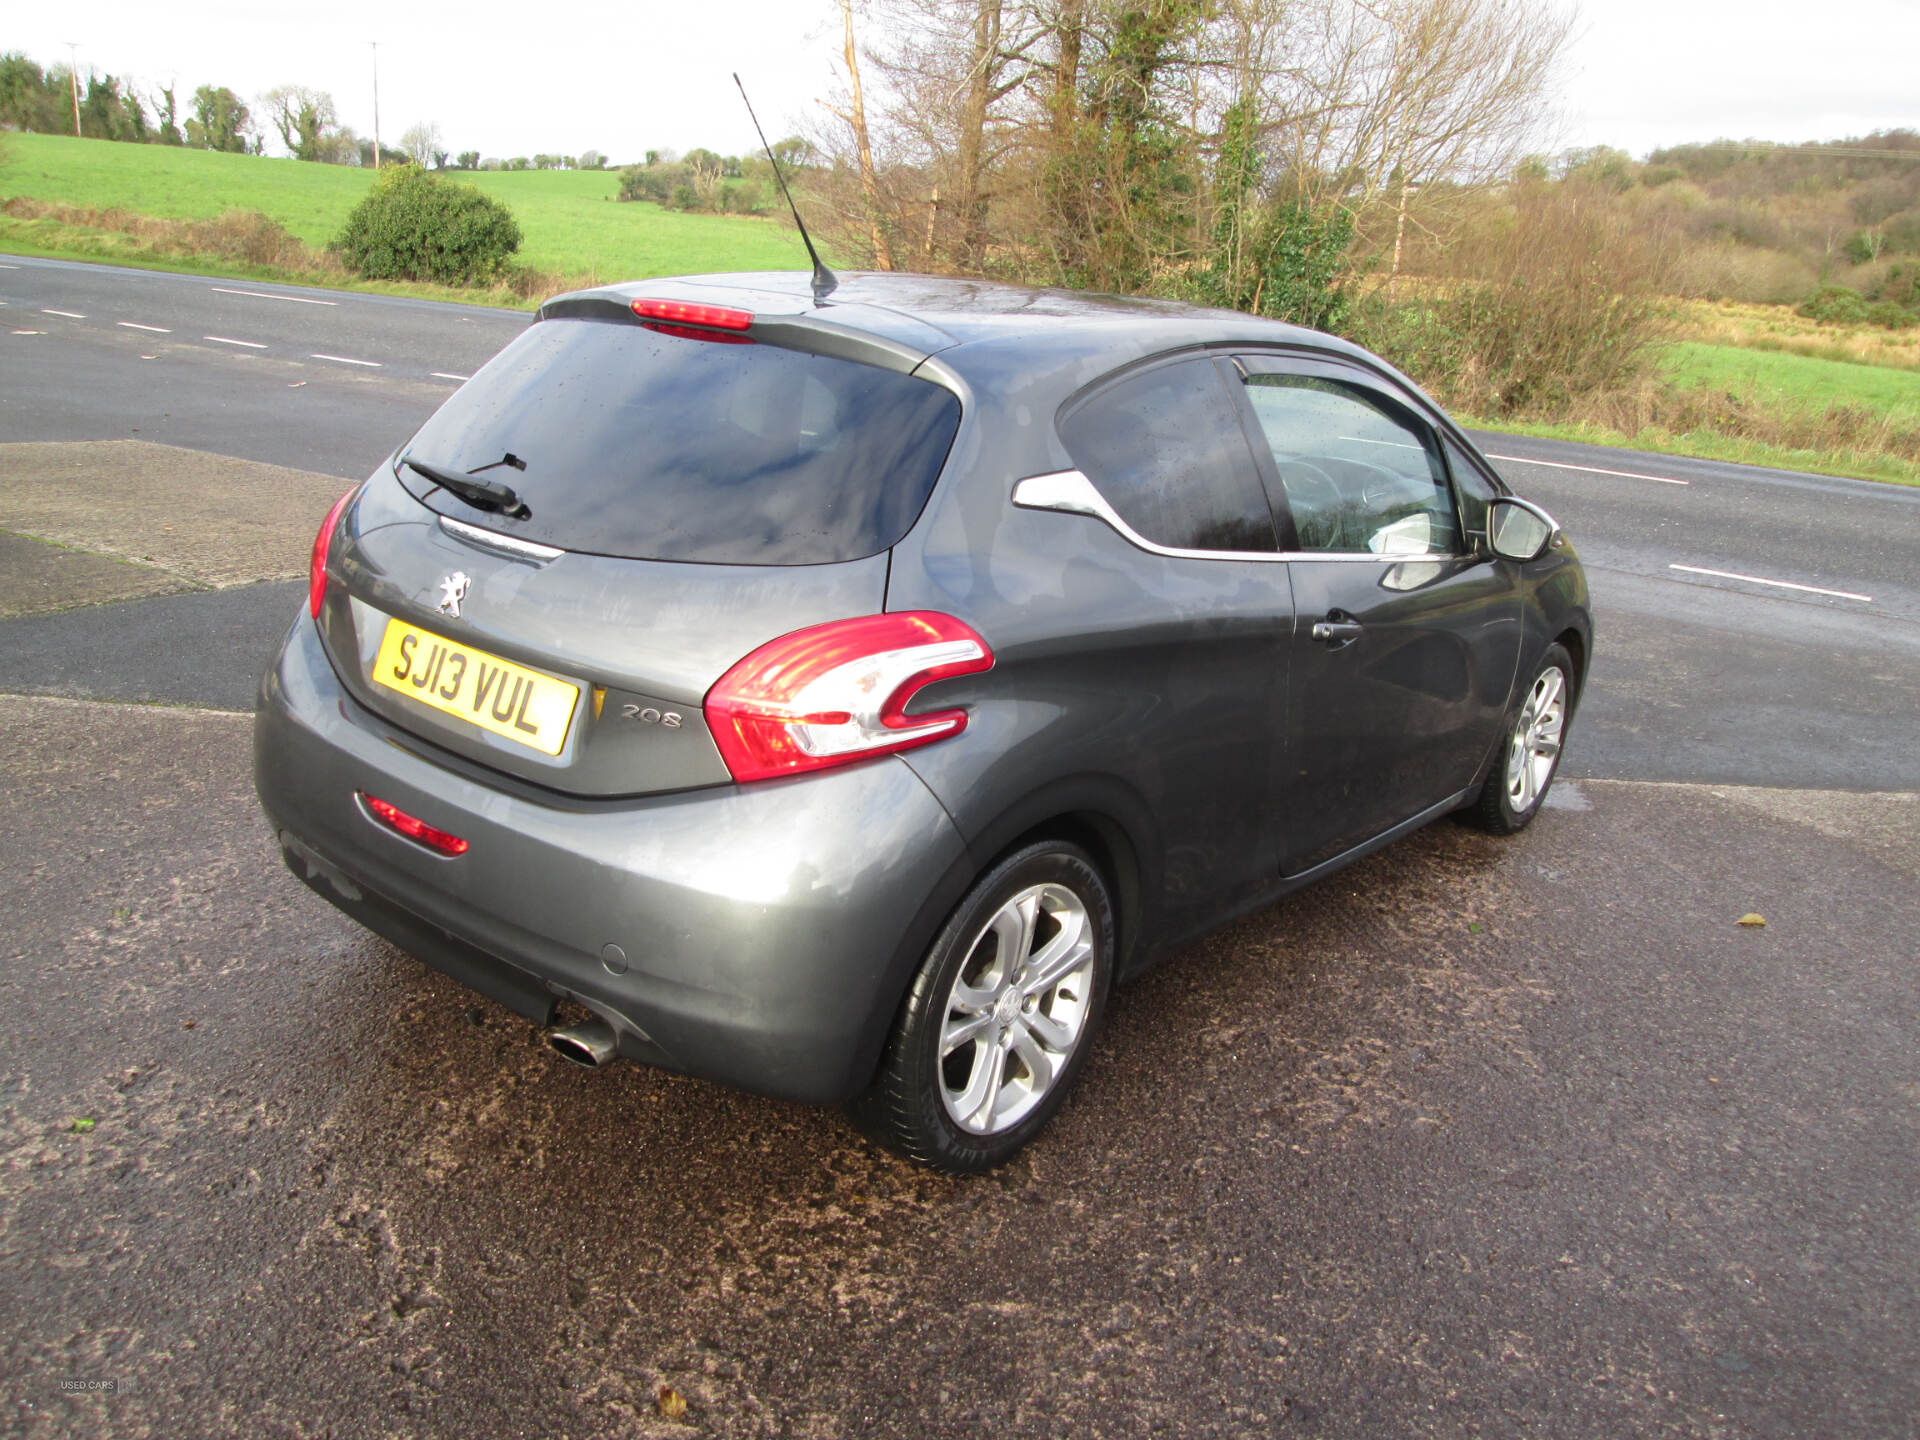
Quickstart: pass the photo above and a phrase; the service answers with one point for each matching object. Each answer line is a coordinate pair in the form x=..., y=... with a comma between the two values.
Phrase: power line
x=1845, y=152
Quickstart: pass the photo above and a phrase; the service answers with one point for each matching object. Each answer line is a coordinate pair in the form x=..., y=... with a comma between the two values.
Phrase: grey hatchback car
x=835, y=699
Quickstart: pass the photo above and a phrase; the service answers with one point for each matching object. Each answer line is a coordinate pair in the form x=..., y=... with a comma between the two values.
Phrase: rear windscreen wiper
x=486, y=494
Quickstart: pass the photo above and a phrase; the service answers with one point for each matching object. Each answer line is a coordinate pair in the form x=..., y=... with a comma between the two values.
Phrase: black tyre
x=1530, y=753
x=1000, y=1018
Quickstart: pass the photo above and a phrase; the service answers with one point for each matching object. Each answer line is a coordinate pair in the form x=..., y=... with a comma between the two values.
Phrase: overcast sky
x=622, y=78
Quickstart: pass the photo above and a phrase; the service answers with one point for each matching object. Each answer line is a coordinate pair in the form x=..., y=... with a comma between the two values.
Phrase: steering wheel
x=1320, y=488
x=1316, y=501
x=1378, y=485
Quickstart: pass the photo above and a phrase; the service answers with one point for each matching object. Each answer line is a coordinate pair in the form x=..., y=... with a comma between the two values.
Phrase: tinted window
x=655, y=446
x=1166, y=450
x=1358, y=477
x=1476, y=492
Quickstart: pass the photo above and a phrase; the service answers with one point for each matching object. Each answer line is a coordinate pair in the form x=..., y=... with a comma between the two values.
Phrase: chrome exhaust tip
x=592, y=1044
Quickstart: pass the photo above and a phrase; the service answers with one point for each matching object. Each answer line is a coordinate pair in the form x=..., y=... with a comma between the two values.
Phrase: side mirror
x=1519, y=529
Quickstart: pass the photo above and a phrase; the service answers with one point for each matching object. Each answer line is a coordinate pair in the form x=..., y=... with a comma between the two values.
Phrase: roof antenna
x=825, y=282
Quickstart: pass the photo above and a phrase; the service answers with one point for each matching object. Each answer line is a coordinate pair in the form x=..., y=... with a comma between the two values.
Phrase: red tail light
x=722, y=317
x=413, y=827
x=835, y=693
x=317, y=565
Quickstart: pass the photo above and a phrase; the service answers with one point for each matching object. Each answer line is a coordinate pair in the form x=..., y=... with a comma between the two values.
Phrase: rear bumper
x=768, y=930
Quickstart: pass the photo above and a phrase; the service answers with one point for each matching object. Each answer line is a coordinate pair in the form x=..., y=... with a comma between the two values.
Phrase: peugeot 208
x=837, y=698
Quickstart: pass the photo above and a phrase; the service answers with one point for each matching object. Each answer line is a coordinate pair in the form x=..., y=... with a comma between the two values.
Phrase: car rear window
x=659, y=446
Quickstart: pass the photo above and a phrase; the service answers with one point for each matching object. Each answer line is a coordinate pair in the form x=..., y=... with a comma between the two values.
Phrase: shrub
x=1561, y=301
x=412, y=226
x=1836, y=305
x=1735, y=272
x=1901, y=284
x=1891, y=315
x=1864, y=246
x=1901, y=234
x=658, y=183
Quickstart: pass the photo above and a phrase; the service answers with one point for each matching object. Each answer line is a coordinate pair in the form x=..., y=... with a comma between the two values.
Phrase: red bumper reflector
x=413, y=827
x=684, y=312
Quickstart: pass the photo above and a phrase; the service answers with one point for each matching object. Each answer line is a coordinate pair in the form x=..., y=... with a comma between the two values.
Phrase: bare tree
x=1405, y=90
x=303, y=117
x=855, y=117
x=950, y=77
x=421, y=143
x=1126, y=143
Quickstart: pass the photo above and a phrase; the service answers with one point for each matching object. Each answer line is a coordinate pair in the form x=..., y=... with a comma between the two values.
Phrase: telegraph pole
x=376, y=102
x=1400, y=230
x=73, y=83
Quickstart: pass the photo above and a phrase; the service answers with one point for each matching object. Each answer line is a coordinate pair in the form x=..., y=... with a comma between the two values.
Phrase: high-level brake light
x=838, y=692
x=684, y=312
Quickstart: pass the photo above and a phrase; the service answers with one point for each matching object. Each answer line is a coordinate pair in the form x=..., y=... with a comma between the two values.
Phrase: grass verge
x=143, y=243
x=1710, y=445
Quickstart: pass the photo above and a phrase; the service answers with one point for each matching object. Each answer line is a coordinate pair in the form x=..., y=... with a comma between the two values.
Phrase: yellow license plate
x=482, y=689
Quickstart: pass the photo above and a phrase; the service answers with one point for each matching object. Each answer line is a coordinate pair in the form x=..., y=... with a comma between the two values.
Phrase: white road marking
x=347, y=360
x=9, y=267
x=136, y=325
x=1759, y=580
x=68, y=313
x=222, y=340
x=29, y=332
x=263, y=295
x=1590, y=469
x=443, y=375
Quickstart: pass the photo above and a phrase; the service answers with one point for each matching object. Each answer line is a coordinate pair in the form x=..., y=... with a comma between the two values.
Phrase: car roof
x=951, y=316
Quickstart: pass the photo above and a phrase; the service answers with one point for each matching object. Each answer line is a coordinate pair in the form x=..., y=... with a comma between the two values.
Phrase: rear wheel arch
x=1111, y=821
x=1100, y=815
x=1113, y=852
x=1575, y=645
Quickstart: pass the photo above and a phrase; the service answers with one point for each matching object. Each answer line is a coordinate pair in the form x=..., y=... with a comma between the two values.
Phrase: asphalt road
x=1479, y=1138
x=1700, y=675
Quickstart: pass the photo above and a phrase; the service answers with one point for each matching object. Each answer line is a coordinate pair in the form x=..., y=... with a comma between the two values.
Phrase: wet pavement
x=1478, y=1138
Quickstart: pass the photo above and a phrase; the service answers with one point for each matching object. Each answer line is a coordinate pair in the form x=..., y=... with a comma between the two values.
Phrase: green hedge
x=413, y=226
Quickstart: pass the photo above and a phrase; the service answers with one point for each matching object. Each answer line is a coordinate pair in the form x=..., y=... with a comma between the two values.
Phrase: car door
x=1407, y=629
x=1207, y=628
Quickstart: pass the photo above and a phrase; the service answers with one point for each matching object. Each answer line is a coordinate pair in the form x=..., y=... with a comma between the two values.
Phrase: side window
x=1358, y=478
x=1475, y=490
x=1166, y=450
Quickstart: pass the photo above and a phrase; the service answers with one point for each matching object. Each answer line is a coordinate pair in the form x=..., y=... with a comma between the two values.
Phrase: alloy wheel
x=1017, y=1009
x=1535, y=747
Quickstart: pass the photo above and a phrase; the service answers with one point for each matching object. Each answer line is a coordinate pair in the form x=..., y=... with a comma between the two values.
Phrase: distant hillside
x=1751, y=221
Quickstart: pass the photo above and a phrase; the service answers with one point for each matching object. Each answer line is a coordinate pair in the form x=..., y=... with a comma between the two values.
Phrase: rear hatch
x=627, y=510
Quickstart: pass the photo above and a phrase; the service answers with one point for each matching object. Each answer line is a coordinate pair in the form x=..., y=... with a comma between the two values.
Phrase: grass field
x=569, y=220
x=1779, y=328
x=1766, y=376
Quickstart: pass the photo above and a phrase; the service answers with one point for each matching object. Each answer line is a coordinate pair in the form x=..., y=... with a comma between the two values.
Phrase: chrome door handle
x=1337, y=633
